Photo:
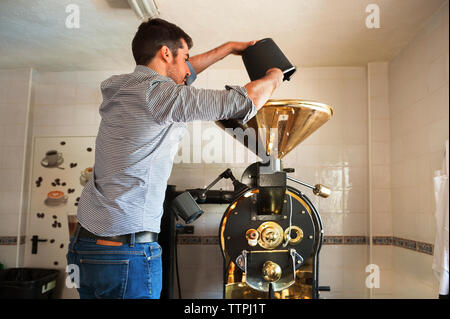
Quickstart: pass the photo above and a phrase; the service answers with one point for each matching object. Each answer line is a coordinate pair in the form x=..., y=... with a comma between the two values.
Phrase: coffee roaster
x=271, y=233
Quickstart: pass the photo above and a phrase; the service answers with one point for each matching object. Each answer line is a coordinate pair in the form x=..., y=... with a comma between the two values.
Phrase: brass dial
x=271, y=235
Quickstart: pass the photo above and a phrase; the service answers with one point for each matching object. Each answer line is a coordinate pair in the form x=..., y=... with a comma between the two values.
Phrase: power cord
x=288, y=237
x=176, y=264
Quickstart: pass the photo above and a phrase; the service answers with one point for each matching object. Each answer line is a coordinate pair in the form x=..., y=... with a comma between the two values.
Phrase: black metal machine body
x=270, y=237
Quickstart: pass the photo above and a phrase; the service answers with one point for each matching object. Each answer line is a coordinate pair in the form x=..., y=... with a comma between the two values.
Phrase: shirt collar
x=146, y=70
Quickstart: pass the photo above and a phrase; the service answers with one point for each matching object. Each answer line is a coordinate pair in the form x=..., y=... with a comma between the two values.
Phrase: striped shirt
x=144, y=117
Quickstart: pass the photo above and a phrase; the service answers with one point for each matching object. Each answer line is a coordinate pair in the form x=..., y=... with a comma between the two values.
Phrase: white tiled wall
x=15, y=87
x=380, y=174
x=419, y=123
x=66, y=103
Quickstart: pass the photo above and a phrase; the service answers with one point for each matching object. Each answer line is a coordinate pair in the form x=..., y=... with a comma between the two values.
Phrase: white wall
x=419, y=124
x=15, y=87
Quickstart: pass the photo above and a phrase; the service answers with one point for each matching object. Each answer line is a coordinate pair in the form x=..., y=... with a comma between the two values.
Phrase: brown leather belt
x=141, y=237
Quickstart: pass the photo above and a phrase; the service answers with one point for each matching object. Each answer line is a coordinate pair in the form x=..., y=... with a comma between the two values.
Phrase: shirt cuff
x=248, y=108
x=193, y=75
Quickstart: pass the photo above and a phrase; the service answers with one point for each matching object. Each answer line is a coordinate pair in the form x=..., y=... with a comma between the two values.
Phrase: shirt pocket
x=106, y=279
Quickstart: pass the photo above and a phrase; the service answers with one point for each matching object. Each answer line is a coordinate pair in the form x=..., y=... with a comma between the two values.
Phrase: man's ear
x=166, y=54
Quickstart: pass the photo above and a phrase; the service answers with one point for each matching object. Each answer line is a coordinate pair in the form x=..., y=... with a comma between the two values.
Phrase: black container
x=264, y=55
x=185, y=207
x=28, y=283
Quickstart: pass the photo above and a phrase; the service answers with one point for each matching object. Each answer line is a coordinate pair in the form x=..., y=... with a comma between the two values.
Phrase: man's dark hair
x=152, y=35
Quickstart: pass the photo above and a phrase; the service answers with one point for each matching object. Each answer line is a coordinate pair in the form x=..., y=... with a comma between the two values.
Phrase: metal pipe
x=300, y=182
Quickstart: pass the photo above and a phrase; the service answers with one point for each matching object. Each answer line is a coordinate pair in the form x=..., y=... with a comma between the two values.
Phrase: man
x=119, y=212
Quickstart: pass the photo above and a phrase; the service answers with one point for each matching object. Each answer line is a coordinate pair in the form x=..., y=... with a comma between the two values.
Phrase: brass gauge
x=271, y=235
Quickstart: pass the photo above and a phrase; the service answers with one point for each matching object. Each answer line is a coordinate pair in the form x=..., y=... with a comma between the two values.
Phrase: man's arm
x=202, y=61
x=259, y=91
x=180, y=103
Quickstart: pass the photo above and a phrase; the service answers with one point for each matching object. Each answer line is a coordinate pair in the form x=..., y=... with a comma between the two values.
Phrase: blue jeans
x=116, y=272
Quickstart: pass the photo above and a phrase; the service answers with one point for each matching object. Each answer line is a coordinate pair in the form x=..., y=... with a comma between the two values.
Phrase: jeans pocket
x=105, y=279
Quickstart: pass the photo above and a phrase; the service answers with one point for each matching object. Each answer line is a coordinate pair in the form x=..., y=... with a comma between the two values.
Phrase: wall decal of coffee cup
x=85, y=176
x=55, y=198
x=52, y=159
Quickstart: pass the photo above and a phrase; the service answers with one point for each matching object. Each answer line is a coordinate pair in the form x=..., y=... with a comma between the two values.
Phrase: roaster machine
x=271, y=233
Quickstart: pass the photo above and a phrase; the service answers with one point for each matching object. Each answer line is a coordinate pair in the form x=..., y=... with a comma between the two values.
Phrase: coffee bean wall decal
x=38, y=181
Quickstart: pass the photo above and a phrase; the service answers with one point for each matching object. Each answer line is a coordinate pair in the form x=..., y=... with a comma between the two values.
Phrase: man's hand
x=276, y=74
x=237, y=48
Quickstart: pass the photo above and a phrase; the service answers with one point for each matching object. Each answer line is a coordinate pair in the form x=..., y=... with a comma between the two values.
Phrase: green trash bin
x=28, y=283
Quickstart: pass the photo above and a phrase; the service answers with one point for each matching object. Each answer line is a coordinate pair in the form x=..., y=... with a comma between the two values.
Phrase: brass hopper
x=277, y=128
x=294, y=121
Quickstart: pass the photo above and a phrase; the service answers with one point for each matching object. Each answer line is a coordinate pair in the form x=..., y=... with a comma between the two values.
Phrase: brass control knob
x=321, y=190
x=271, y=271
x=271, y=235
x=252, y=236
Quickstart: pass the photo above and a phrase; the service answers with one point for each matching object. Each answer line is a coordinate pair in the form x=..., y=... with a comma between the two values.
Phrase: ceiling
x=310, y=32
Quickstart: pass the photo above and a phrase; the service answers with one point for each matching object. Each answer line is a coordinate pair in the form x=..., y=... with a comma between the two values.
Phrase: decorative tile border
x=11, y=240
x=189, y=240
x=355, y=240
x=8, y=240
x=344, y=240
x=425, y=248
x=197, y=240
x=382, y=240
x=333, y=240
x=414, y=245
x=405, y=243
